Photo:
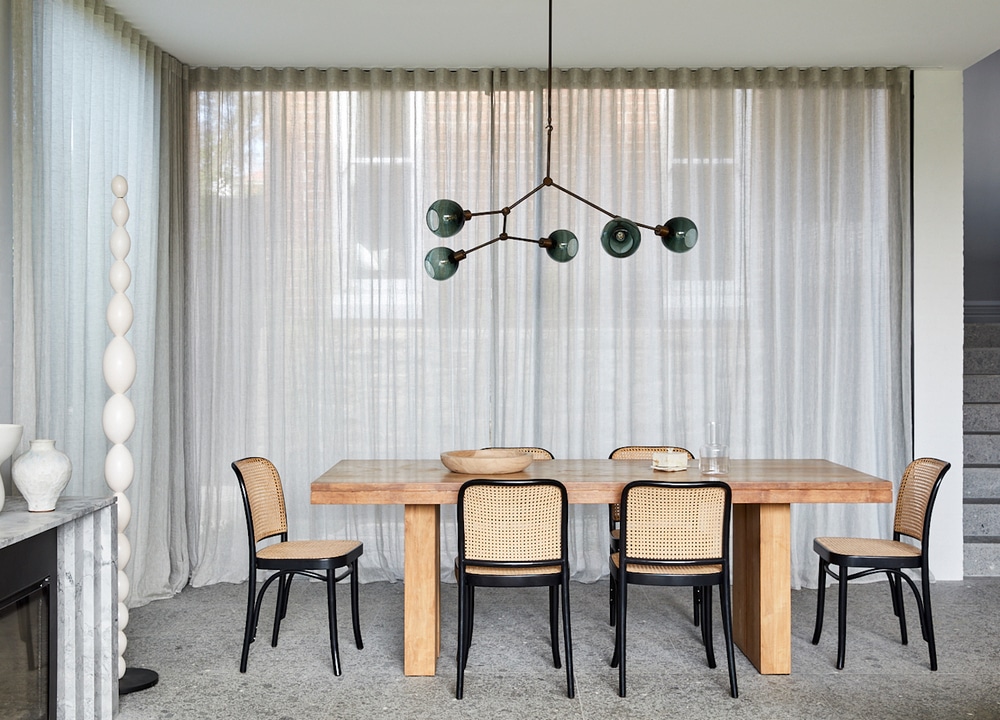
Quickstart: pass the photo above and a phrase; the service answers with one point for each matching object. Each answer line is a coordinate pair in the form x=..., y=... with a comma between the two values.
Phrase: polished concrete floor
x=193, y=641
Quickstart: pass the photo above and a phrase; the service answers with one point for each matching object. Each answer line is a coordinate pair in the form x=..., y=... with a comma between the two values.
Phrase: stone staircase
x=981, y=471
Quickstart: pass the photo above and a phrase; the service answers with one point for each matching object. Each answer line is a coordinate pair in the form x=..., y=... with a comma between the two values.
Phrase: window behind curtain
x=314, y=334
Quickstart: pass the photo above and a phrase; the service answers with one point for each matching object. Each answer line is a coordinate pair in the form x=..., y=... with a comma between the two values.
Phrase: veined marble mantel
x=87, y=597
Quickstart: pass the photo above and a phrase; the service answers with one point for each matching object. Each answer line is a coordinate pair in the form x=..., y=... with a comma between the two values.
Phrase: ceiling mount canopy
x=620, y=237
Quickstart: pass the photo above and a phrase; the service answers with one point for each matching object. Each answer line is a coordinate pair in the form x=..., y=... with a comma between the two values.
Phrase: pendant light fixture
x=620, y=237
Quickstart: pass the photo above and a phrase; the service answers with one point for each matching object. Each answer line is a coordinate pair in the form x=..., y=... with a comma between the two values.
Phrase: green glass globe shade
x=620, y=238
x=440, y=263
x=681, y=235
x=564, y=246
x=445, y=218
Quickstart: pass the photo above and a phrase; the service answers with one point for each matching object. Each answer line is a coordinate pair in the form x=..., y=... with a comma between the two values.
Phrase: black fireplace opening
x=28, y=617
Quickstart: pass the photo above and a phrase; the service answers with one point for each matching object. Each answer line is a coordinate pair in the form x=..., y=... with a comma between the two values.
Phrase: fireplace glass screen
x=24, y=662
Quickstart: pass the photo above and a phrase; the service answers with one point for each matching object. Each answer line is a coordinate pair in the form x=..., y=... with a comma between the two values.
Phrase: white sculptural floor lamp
x=119, y=422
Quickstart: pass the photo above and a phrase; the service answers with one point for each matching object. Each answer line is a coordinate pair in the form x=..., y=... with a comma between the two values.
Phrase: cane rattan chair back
x=675, y=534
x=536, y=452
x=264, y=506
x=512, y=533
x=638, y=452
x=914, y=504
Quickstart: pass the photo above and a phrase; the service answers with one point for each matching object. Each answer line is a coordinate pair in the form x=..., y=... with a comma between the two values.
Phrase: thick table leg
x=762, y=586
x=421, y=589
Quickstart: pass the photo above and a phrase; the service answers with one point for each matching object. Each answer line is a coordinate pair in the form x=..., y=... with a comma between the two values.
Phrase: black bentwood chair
x=264, y=503
x=512, y=533
x=639, y=452
x=914, y=503
x=677, y=534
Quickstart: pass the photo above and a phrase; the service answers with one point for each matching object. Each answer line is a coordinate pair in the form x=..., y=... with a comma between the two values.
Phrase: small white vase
x=41, y=474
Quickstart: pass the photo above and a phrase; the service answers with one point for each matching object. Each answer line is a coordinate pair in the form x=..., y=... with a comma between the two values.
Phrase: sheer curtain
x=94, y=99
x=281, y=307
x=312, y=333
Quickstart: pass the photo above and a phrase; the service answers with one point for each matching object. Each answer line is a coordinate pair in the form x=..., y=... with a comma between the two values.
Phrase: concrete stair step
x=982, y=449
x=981, y=483
x=981, y=558
x=981, y=389
x=979, y=335
x=981, y=473
x=981, y=417
x=982, y=361
x=981, y=519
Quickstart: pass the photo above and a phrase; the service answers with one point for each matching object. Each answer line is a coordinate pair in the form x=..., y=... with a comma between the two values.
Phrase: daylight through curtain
x=312, y=333
x=281, y=307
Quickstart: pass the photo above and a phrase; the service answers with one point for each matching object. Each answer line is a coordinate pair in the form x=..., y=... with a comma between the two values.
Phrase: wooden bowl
x=486, y=462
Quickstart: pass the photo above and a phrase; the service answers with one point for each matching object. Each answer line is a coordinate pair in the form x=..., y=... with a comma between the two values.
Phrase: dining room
x=285, y=305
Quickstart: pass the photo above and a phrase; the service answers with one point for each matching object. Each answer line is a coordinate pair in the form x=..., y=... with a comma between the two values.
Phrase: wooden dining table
x=762, y=490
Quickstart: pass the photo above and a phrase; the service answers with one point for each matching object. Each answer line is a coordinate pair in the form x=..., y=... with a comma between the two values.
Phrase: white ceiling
x=950, y=34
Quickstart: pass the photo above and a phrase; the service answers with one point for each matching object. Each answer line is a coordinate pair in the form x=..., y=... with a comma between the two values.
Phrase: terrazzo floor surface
x=193, y=642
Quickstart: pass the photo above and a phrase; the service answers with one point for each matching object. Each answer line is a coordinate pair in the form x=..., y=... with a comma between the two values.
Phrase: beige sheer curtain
x=282, y=309
x=312, y=333
x=94, y=99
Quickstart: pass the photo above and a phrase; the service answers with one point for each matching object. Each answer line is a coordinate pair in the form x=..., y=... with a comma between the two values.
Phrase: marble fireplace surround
x=87, y=597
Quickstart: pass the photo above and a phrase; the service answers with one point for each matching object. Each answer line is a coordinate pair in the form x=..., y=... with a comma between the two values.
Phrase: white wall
x=938, y=332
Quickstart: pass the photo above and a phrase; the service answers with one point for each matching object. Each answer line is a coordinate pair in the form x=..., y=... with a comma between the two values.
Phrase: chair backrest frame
x=915, y=499
x=521, y=519
x=644, y=452
x=637, y=452
x=263, y=499
x=538, y=453
x=717, y=541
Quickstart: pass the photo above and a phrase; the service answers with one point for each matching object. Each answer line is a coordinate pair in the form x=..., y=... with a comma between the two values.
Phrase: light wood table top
x=763, y=492
x=418, y=482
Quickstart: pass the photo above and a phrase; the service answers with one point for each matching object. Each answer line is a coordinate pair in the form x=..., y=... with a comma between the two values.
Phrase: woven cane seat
x=307, y=549
x=868, y=547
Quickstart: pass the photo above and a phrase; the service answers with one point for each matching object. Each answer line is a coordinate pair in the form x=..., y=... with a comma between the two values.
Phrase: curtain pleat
x=785, y=324
x=94, y=99
x=282, y=308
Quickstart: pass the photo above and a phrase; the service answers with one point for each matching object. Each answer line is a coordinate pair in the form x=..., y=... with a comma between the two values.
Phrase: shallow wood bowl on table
x=496, y=461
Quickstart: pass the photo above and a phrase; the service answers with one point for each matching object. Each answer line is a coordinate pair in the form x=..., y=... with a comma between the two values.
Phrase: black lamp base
x=136, y=679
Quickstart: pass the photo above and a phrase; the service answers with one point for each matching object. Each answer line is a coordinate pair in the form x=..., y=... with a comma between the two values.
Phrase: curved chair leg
x=927, y=622
x=896, y=588
x=567, y=639
x=726, y=604
x=470, y=615
x=820, y=601
x=331, y=598
x=554, y=624
x=254, y=614
x=250, y=629
x=696, y=601
x=281, y=604
x=841, y=617
x=463, y=646
x=706, y=624
x=618, y=659
x=355, y=617
x=611, y=601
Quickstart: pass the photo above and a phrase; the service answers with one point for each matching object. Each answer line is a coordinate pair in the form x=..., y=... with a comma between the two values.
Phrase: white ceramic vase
x=41, y=474
x=10, y=436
